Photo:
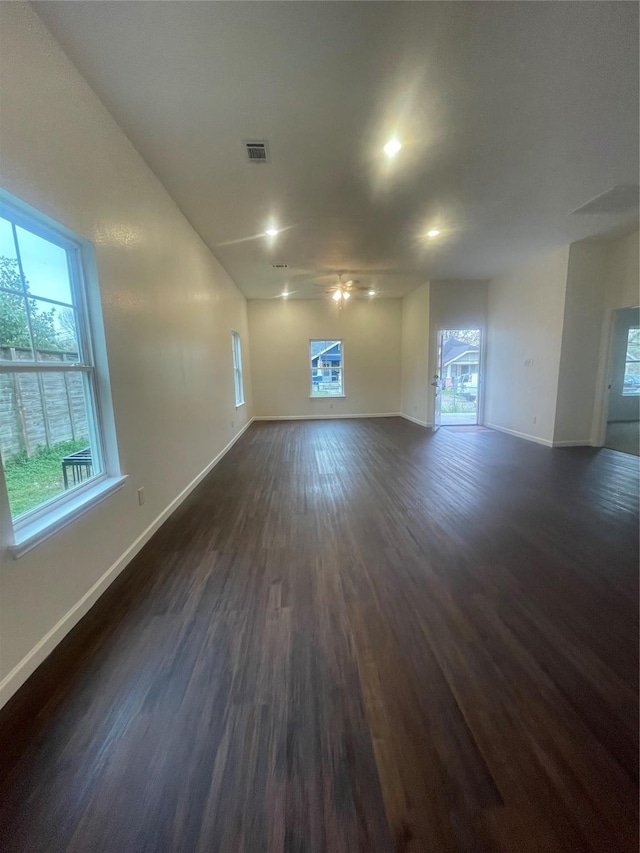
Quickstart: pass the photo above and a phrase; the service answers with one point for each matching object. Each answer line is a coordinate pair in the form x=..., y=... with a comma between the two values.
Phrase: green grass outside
x=33, y=480
x=455, y=404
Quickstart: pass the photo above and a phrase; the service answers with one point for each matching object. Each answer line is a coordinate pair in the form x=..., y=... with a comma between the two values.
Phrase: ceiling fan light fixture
x=372, y=293
x=337, y=296
x=346, y=294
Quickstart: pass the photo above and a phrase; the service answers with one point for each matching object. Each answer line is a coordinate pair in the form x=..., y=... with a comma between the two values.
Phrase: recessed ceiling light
x=271, y=232
x=372, y=293
x=392, y=147
x=285, y=293
x=433, y=233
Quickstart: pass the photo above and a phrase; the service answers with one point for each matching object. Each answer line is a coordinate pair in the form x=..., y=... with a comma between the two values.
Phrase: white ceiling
x=511, y=116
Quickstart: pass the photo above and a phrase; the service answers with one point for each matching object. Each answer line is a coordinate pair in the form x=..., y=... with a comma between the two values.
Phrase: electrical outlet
x=528, y=362
x=331, y=405
x=535, y=420
x=141, y=496
x=233, y=423
x=415, y=410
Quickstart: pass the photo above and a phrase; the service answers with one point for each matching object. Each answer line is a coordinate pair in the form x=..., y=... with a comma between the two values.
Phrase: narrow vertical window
x=631, y=384
x=237, y=368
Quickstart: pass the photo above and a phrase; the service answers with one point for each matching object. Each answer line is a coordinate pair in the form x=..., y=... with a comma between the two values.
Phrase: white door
x=437, y=385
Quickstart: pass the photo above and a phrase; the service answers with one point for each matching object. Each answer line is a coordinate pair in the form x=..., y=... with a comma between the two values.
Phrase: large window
x=237, y=368
x=631, y=384
x=327, y=368
x=50, y=438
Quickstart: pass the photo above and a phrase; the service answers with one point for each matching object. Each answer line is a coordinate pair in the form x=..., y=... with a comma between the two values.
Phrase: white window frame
x=341, y=369
x=32, y=527
x=628, y=361
x=238, y=381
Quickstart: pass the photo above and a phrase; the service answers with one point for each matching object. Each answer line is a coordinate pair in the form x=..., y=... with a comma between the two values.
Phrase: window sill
x=322, y=397
x=33, y=534
x=240, y=405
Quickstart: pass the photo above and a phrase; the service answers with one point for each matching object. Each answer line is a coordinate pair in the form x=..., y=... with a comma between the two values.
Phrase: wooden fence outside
x=40, y=409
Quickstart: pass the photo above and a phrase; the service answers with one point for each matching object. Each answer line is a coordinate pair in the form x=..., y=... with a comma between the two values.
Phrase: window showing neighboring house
x=51, y=445
x=631, y=384
x=237, y=368
x=327, y=368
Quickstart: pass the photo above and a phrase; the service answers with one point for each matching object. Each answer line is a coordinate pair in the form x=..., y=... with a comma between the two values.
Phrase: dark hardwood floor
x=353, y=636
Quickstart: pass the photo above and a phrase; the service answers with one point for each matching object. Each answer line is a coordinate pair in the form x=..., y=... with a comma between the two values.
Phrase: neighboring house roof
x=453, y=349
x=318, y=348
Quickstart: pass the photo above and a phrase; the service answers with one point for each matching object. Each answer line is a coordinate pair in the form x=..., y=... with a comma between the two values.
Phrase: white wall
x=169, y=308
x=622, y=285
x=280, y=331
x=415, y=379
x=558, y=312
x=580, y=351
x=525, y=320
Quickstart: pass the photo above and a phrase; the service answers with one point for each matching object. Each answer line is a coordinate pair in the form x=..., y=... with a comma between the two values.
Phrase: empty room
x=319, y=426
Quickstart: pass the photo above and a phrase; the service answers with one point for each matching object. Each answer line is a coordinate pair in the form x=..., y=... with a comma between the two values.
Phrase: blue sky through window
x=44, y=264
x=46, y=270
x=45, y=267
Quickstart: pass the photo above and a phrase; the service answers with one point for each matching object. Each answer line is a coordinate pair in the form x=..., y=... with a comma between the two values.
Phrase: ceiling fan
x=342, y=290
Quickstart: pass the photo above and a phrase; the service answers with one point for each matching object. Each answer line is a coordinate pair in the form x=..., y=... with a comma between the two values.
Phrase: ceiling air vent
x=257, y=152
x=280, y=266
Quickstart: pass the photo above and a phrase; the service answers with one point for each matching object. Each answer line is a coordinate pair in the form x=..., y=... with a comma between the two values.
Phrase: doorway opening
x=460, y=360
x=623, y=413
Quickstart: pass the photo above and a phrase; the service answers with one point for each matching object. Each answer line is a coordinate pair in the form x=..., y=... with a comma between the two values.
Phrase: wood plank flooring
x=354, y=637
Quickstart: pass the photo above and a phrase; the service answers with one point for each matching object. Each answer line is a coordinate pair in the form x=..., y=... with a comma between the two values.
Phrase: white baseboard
x=416, y=421
x=581, y=442
x=517, y=434
x=322, y=417
x=29, y=663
